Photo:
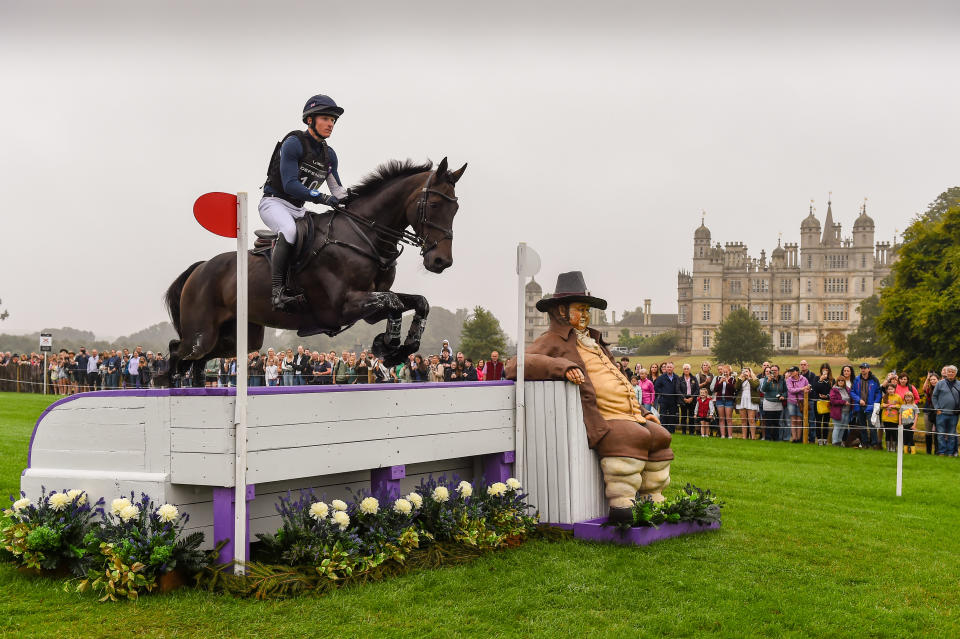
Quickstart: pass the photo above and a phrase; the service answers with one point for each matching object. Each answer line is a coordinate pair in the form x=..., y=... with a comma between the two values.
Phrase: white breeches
x=280, y=216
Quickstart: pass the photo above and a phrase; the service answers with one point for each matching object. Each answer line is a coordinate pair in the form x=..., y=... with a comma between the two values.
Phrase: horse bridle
x=422, y=220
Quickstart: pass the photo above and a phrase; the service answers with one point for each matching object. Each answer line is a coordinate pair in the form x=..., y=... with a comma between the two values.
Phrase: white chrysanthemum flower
x=415, y=499
x=79, y=495
x=167, y=512
x=370, y=506
x=341, y=518
x=129, y=512
x=119, y=504
x=20, y=504
x=440, y=493
x=402, y=506
x=319, y=510
x=497, y=489
x=338, y=505
x=58, y=501
x=513, y=483
x=465, y=489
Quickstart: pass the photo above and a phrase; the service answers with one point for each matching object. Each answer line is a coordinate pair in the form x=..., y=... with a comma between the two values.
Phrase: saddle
x=265, y=239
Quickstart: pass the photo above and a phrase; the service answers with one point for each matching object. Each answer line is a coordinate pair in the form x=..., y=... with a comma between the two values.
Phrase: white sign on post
x=46, y=342
x=528, y=265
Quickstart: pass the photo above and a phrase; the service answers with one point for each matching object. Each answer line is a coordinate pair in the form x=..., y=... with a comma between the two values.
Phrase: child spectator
x=704, y=411
x=646, y=394
x=908, y=418
x=890, y=414
x=272, y=371
x=839, y=409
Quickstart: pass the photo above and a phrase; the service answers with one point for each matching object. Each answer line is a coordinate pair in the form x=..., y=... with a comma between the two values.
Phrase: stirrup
x=282, y=300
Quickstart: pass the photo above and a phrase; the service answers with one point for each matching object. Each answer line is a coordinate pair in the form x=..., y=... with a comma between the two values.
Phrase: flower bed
x=124, y=553
x=691, y=511
x=323, y=546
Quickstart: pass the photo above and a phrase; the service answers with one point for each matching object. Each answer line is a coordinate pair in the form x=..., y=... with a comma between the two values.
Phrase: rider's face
x=323, y=124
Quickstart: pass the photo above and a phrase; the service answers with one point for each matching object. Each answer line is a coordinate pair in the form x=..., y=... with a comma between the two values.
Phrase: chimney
x=614, y=316
x=646, y=312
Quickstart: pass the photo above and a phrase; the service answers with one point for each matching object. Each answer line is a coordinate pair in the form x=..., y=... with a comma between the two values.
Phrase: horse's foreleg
x=421, y=309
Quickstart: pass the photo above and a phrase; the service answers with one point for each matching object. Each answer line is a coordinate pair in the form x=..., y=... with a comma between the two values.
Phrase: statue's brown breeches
x=649, y=441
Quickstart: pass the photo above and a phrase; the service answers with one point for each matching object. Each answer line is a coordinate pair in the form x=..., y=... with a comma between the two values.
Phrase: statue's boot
x=656, y=477
x=622, y=477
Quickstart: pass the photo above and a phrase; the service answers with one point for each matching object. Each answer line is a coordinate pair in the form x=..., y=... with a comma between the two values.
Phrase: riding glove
x=321, y=198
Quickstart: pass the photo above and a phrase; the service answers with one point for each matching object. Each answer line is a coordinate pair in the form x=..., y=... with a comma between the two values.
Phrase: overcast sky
x=595, y=132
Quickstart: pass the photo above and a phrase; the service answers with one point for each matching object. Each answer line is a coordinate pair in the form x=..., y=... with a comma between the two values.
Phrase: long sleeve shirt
x=795, y=388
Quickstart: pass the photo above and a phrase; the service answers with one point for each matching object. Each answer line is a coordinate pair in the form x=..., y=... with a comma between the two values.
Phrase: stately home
x=806, y=296
x=639, y=322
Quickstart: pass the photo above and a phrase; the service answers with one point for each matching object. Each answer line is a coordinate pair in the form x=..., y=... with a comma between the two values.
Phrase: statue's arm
x=540, y=367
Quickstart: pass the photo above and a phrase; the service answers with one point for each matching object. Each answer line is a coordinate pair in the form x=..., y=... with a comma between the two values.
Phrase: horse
x=345, y=270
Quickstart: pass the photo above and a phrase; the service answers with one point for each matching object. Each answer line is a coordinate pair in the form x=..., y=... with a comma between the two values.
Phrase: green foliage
x=918, y=316
x=866, y=341
x=48, y=534
x=692, y=504
x=740, y=338
x=117, y=579
x=482, y=334
x=944, y=202
x=653, y=345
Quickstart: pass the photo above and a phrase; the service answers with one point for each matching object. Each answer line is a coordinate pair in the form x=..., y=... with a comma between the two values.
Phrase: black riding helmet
x=321, y=105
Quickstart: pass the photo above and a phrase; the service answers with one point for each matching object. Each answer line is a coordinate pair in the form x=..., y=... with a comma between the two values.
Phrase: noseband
x=422, y=221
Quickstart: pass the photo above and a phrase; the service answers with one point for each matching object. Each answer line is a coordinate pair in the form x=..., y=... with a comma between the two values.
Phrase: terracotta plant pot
x=171, y=580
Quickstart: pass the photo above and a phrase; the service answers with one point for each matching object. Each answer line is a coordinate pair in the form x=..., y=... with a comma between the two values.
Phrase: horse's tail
x=172, y=296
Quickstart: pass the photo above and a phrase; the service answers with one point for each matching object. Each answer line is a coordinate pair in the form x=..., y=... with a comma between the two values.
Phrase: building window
x=786, y=312
x=760, y=312
x=835, y=313
x=786, y=340
x=786, y=286
x=809, y=285
x=863, y=261
x=706, y=339
x=735, y=307
x=835, y=284
x=736, y=287
x=682, y=315
x=863, y=285
x=706, y=285
x=837, y=261
x=809, y=311
x=759, y=286
x=706, y=312
x=699, y=251
x=809, y=261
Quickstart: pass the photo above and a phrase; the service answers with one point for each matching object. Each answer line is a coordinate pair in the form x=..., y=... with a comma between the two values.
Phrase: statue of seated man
x=634, y=448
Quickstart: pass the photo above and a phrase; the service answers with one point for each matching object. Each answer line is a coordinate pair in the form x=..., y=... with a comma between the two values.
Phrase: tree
x=918, y=311
x=740, y=338
x=865, y=341
x=944, y=202
x=481, y=334
x=3, y=314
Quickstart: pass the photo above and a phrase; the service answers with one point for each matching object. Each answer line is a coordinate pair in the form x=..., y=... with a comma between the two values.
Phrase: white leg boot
x=622, y=477
x=656, y=477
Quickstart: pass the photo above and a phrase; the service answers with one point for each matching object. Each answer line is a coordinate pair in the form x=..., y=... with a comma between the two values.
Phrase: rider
x=301, y=162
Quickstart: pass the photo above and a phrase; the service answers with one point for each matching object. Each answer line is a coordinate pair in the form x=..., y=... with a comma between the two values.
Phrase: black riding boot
x=281, y=299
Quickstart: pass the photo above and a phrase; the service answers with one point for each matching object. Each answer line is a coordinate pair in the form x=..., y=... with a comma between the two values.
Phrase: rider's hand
x=576, y=376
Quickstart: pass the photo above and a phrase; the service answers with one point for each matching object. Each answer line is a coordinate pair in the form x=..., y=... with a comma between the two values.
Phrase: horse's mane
x=388, y=171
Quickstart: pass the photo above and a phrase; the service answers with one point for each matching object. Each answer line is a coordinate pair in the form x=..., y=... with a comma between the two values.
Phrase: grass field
x=813, y=543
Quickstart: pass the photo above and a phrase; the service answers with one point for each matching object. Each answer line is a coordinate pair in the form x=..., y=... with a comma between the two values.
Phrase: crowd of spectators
x=851, y=408
x=71, y=372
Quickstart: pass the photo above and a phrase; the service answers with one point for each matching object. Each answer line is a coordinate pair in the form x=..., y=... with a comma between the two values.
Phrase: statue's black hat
x=570, y=289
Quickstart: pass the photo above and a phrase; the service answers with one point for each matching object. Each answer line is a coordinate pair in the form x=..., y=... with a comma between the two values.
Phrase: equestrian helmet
x=321, y=105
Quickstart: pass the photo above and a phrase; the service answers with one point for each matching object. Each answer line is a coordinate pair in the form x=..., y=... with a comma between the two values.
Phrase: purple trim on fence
x=223, y=516
x=256, y=390
x=591, y=530
x=498, y=466
x=385, y=483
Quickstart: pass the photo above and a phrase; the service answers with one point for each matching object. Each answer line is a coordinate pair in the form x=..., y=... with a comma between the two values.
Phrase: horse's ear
x=442, y=169
x=455, y=175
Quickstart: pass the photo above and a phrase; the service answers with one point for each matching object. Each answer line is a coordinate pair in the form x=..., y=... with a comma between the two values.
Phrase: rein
x=397, y=238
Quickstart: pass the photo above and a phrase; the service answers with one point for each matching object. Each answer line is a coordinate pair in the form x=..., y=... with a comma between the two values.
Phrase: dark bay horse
x=345, y=272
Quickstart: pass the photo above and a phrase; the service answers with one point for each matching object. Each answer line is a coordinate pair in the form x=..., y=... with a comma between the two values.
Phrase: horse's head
x=431, y=216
